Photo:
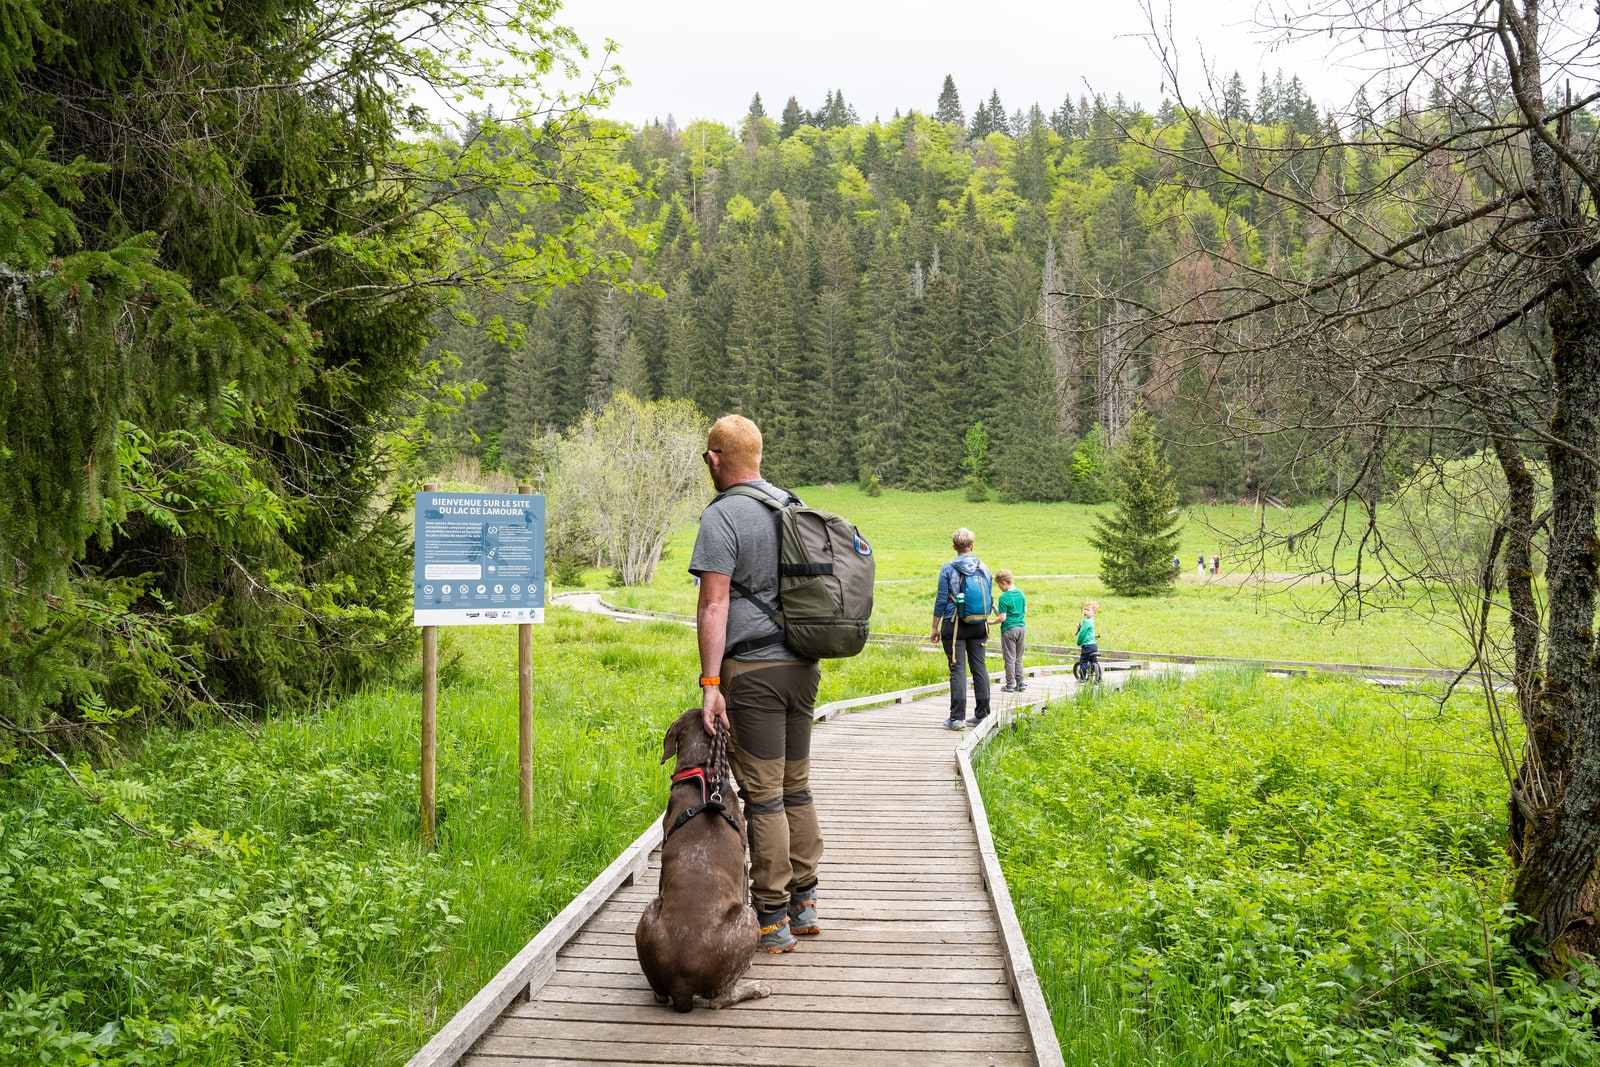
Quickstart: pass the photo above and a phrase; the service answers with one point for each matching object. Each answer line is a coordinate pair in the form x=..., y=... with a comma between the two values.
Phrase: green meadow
x=1241, y=870
x=1294, y=615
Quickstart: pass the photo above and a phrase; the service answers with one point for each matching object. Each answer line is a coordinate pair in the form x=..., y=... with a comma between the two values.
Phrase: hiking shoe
x=1008, y=688
x=954, y=724
x=775, y=935
x=803, y=912
x=1021, y=687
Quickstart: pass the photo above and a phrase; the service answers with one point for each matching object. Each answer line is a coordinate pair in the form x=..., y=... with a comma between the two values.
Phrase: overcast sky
x=704, y=59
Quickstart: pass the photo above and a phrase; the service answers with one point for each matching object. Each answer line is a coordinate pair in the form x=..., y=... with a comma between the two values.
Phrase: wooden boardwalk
x=911, y=966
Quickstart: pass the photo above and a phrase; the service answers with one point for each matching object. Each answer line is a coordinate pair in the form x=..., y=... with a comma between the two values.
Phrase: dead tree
x=1445, y=304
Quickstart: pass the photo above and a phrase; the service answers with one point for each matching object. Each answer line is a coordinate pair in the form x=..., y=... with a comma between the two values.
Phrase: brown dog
x=697, y=937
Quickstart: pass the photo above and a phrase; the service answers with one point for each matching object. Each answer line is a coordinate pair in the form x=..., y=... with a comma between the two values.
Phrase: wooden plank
x=582, y=955
x=830, y=944
x=919, y=995
x=887, y=933
x=798, y=1004
x=514, y=1053
x=820, y=969
x=705, y=1027
x=653, y=1014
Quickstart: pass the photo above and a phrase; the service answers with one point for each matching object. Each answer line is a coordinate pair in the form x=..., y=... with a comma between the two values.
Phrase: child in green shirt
x=1088, y=648
x=1010, y=609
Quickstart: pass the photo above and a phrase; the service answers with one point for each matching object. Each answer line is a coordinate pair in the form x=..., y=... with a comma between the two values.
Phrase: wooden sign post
x=479, y=561
x=525, y=711
x=430, y=714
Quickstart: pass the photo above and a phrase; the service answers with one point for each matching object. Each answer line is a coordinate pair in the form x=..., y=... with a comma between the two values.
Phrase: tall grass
x=1236, y=870
x=305, y=923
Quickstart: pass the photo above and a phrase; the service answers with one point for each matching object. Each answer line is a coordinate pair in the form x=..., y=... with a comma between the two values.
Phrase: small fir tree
x=1137, y=542
x=975, y=461
x=1089, y=472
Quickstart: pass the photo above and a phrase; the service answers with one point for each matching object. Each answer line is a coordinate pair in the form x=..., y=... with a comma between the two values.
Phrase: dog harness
x=706, y=803
x=710, y=795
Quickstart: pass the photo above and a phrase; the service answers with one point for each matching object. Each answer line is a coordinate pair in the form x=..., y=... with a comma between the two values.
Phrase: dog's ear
x=669, y=743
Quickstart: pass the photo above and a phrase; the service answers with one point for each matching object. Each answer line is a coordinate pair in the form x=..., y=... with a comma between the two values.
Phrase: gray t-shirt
x=739, y=537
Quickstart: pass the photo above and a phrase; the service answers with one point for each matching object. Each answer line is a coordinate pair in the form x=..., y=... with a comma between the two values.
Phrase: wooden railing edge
x=533, y=966
x=1024, y=980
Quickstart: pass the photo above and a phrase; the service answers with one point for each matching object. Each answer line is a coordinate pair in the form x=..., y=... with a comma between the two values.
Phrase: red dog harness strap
x=694, y=772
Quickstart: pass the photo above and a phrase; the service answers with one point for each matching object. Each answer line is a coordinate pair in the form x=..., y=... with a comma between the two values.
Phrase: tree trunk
x=1560, y=780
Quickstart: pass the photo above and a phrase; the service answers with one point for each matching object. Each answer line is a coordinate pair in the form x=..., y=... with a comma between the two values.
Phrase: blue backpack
x=974, y=600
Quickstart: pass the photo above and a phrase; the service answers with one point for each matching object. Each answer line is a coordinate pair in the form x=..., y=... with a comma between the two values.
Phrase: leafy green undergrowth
x=1248, y=871
x=306, y=924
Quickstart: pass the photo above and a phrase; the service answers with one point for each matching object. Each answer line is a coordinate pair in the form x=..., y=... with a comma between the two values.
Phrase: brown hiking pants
x=770, y=709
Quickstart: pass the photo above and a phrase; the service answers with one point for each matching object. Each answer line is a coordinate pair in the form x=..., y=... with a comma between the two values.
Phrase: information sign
x=479, y=559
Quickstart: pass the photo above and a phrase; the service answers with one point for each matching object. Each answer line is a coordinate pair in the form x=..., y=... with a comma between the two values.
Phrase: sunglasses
x=708, y=453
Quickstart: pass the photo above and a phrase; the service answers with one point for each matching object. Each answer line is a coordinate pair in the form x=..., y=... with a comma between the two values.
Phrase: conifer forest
x=869, y=289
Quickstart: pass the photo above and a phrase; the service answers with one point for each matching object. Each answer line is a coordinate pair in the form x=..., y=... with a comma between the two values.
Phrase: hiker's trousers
x=1011, y=642
x=770, y=709
x=966, y=645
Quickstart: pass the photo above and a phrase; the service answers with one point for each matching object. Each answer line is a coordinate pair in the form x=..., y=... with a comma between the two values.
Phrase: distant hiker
x=1011, y=608
x=1200, y=564
x=1177, y=565
x=750, y=677
x=961, y=612
x=1216, y=565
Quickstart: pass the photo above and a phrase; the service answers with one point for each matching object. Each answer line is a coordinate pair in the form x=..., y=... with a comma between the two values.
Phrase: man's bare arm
x=711, y=633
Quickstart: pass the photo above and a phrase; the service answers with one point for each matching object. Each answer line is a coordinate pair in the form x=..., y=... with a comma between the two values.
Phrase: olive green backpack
x=825, y=575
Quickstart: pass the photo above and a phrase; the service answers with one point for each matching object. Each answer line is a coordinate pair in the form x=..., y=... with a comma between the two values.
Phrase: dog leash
x=719, y=760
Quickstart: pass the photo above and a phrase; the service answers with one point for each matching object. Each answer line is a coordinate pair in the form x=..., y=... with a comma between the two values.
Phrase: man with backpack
x=754, y=681
x=961, y=611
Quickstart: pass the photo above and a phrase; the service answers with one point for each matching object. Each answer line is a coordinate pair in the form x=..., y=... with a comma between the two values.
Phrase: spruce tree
x=1235, y=102
x=1138, y=540
x=997, y=114
x=982, y=124
x=793, y=119
x=949, y=107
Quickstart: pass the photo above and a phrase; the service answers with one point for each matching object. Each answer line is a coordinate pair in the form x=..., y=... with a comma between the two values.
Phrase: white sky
x=706, y=58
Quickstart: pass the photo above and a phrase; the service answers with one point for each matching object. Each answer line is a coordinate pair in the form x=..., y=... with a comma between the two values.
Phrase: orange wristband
x=714, y=680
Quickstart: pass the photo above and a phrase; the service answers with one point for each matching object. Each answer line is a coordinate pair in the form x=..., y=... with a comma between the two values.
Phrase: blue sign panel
x=479, y=559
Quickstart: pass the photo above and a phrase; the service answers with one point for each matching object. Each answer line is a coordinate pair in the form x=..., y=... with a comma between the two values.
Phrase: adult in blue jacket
x=961, y=611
